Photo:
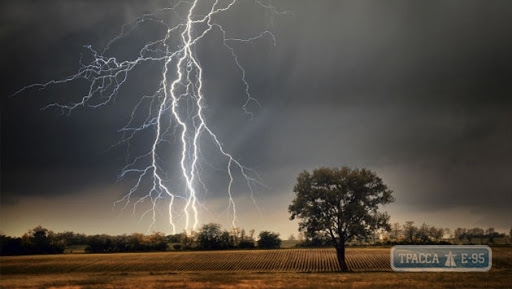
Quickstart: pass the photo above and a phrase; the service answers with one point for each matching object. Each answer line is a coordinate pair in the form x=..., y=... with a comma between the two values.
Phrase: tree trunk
x=340, y=253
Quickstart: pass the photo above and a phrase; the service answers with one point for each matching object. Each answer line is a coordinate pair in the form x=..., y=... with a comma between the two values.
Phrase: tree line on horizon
x=210, y=237
x=409, y=234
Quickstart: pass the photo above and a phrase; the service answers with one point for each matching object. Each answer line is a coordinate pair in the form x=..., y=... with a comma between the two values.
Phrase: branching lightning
x=174, y=112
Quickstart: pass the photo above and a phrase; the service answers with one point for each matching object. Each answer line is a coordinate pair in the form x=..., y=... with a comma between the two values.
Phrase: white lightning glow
x=175, y=111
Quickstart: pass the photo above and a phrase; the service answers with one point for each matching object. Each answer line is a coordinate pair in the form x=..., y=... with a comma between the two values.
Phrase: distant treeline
x=210, y=237
x=409, y=233
x=43, y=241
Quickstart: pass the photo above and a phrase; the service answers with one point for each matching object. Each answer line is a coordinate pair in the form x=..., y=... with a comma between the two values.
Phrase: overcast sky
x=418, y=91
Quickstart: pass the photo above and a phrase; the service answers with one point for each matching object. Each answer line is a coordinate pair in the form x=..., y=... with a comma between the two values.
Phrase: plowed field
x=290, y=260
x=285, y=260
x=237, y=269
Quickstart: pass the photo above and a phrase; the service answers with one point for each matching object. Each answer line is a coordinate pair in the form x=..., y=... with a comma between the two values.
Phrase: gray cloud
x=419, y=91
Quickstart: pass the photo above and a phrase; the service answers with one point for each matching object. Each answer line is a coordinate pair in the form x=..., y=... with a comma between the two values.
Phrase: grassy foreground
x=145, y=280
x=232, y=269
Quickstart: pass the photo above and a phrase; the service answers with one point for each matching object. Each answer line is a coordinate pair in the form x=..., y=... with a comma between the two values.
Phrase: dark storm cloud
x=424, y=86
x=45, y=153
x=418, y=90
x=413, y=52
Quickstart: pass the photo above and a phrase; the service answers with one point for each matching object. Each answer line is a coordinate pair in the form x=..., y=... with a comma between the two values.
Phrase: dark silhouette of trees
x=321, y=239
x=436, y=234
x=42, y=241
x=135, y=242
x=157, y=242
x=491, y=234
x=99, y=244
x=36, y=241
x=340, y=203
x=10, y=246
x=396, y=232
x=460, y=233
x=239, y=239
x=247, y=241
x=423, y=233
x=188, y=241
x=211, y=237
x=71, y=238
x=475, y=233
x=410, y=234
x=269, y=240
x=174, y=238
x=410, y=231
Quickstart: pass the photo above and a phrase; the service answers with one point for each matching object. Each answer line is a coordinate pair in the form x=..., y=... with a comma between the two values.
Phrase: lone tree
x=340, y=203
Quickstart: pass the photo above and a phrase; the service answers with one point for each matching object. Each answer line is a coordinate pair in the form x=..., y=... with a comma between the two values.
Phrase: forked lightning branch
x=174, y=112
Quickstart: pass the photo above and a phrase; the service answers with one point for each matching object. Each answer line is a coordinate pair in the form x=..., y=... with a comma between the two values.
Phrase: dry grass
x=261, y=280
x=220, y=270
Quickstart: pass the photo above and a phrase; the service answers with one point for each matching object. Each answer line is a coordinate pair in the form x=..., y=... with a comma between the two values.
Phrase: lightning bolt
x=174, y=113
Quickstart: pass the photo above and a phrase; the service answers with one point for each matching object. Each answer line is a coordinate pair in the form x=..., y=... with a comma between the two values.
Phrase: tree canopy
x=341, y=203
x=211, y=237
x=269, y=240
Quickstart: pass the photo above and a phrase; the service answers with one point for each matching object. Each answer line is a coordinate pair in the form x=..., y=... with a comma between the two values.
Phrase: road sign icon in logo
x=450, y=262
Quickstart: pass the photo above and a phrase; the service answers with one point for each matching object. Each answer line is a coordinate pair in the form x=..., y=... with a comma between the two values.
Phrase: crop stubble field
x=285, y=268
